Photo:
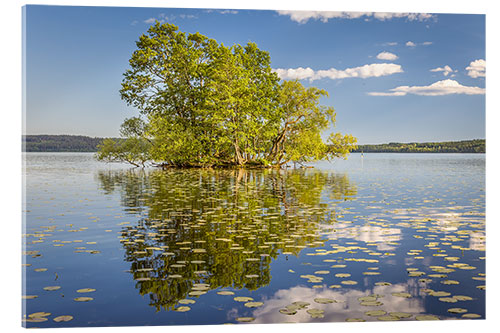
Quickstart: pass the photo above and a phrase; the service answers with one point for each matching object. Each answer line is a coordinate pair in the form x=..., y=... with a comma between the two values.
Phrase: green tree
x=207, y=104
x=134, y=148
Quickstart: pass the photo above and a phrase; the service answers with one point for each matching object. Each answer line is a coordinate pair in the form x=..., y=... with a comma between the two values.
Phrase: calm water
x=379, y=237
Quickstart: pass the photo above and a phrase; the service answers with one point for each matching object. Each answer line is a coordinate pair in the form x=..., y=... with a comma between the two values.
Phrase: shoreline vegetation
x=82, y=144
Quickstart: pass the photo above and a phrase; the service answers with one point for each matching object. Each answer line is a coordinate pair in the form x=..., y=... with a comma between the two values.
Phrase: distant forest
x=80, y=143
x=60, y=143
x=466, y=146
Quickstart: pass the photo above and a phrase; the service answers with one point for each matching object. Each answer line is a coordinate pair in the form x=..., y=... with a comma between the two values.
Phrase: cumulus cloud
x=228, y=11
x=366, y=71
x=387, y=56
x=446, y=70
x=410, y=44
x=440, y=88
x=162, y=18
x=323, y=16
x=477, y=68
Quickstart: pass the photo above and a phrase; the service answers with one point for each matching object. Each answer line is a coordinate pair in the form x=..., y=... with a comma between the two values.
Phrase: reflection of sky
x=348, y=305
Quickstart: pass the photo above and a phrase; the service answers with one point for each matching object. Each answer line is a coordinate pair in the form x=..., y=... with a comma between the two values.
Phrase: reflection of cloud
x=348, y=305
x=367, y=234
x=477, y=241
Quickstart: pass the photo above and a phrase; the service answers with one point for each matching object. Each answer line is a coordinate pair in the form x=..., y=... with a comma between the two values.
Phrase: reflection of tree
x=205, y=229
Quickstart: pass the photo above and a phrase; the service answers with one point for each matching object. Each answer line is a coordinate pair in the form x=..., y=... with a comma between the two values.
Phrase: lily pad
x=225, y=293
x=83, y=299
x=288, y=312
x=388, y=318
x=182, y=309
x=324, y=300
x=316, y=313
x=245, y=319
x=85, y=290
x=243, y=299
x=349, y=282
x=355, y=320
x=471, y=316
x=462, y=298
x=375, y=313
x=401, y=314
x=63, y=318
x=52, y=288
x=253, y=304
x=457, y=310
x=448, y=299
x=426, y=317
x=187, y=301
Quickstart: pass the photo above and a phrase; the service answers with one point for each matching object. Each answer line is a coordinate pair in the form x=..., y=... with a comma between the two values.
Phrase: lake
x=375, y=237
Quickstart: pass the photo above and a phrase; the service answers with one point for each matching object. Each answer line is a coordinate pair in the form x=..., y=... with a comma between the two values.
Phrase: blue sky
x=391, y=77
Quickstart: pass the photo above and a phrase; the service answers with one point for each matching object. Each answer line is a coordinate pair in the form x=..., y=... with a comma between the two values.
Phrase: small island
x=204, y=104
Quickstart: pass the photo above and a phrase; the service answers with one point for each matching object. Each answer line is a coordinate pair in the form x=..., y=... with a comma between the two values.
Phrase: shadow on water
x=199, y=230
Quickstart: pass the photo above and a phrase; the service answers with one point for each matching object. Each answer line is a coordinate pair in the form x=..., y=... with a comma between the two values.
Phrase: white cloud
x=477, y=68
x=427, y=43
x=440, y=88
x=446, y=70
x=366, y=71
x=387, y=56
x=304, y=16
x=150, y=20
x=410, y=44
x=391, y=43
x=228, y=11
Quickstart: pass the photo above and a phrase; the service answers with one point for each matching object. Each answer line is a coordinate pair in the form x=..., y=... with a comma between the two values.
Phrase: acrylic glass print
x=226, y=174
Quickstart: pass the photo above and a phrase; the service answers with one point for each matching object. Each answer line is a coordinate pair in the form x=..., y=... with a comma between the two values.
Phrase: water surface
x=378, y=237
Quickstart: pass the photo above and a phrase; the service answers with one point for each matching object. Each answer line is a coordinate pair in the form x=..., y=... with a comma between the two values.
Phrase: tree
x=134, y=148
x=207, y=104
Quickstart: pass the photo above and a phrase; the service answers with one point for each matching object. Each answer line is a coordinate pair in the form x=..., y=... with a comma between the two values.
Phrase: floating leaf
x=85, y=290
x=426, y=317
x=316, y=313
x=253, y=304
x=187, y=301
x=182, y=309
x=471, y=316
x=375, y=313
x=324, y=300
x=83, y=299
x=401, y=314
x=225, y=292
x=243, y=299
x=52, y=288
x=29, y=296
x=245, y=319
x=63, y=318
x=288, y=312
x=349, y=282
x=355, y=320
x=448, y=299
x=457, y=310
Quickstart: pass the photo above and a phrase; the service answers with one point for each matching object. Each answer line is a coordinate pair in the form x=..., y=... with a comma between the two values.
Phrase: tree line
x=60, y=143
x=465, y=146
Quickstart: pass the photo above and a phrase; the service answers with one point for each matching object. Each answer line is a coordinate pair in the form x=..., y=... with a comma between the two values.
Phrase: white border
x=11, y=127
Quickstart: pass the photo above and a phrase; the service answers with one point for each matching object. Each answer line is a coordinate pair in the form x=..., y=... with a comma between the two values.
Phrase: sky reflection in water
x=400, y=228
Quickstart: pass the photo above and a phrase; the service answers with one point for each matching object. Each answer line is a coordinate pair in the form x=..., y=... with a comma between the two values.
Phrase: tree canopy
x=206, y=104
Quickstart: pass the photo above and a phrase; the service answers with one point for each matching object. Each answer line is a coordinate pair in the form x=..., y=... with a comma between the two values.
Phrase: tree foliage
x=207, y=104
